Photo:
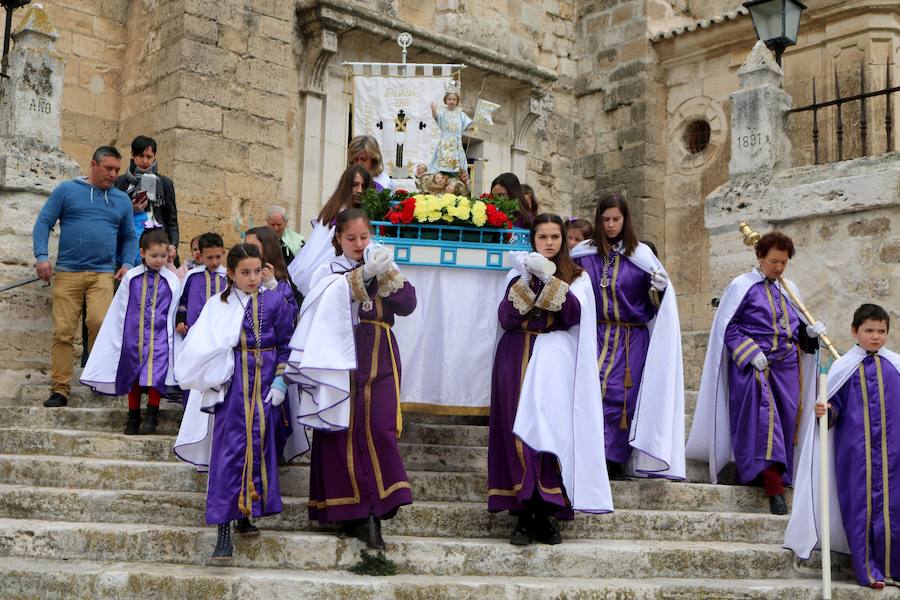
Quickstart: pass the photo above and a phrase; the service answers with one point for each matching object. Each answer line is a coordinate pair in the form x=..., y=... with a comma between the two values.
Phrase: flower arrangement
x=448, y=209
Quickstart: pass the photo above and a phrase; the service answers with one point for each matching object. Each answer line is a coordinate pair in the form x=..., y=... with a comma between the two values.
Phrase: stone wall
x=620, y=132
x=844, y=219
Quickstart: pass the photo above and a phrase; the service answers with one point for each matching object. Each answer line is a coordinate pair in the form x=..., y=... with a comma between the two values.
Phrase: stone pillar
x=321, y=45
x=31, y=166
x=30, y=106
x=759, y=141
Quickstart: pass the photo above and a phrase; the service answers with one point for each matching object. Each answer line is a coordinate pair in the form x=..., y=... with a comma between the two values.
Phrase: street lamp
x=776, y=23
x=10, y=6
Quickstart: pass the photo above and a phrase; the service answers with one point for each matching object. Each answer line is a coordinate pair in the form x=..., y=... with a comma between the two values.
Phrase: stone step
x=112, y=420
x=436, y=519
x=42, y=579
x=413, y=555
x=109, y=474
x=72, y=442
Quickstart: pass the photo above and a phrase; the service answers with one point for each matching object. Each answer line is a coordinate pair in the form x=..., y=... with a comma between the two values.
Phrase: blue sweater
x=96, y=228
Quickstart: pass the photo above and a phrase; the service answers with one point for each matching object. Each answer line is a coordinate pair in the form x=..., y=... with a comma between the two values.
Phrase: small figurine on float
x=442, y=182
x=449, y=155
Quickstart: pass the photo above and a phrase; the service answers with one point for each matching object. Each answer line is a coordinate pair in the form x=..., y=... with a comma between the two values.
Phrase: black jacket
x=167, y=212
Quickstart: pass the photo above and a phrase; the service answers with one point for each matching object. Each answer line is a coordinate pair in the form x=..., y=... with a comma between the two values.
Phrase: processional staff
x=751, y=237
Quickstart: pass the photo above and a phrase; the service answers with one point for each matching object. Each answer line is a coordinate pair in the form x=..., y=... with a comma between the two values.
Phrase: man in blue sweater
x=97, y=243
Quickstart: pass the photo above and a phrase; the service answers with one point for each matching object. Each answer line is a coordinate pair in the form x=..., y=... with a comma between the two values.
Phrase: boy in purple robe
x=202, y=282
x=357, y=477
x=235, y=355
x=136, y=349
x=864, y=411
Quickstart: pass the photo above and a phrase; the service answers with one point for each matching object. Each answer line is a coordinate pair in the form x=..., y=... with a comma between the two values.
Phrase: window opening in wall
x=696, y=136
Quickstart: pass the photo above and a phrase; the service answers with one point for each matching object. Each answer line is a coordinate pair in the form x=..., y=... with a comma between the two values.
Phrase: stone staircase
x=89, y=513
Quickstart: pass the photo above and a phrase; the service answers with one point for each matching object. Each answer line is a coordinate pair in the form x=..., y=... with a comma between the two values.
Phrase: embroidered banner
x=395, y=108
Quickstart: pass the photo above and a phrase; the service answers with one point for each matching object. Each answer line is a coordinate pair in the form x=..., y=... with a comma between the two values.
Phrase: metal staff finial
x=404, y=40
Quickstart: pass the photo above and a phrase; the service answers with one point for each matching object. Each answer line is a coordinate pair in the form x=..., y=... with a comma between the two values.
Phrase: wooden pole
x=824, y=490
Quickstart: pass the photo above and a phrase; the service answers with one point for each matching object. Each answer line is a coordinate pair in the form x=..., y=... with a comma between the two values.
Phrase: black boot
x=224, y=548
x=521, y=533
x=245, y=528
x=615, y=471
x=777, y=505
x=151, y=418
x=546, y=530
x=369, y=532
x=132, y=426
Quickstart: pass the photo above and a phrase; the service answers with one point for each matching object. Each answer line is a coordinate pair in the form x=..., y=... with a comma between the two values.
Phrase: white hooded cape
x=657, y=429
x=710, y=438
x=560, y=406
x=317, y=251
x=323, y=349
x=802, y=534
x=103, y=363
x=205, y=367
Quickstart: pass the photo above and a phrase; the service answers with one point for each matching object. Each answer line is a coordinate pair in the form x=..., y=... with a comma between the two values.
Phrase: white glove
x=270, y=284
x=816, y=330
x=378, y=261
x=659, y=280
x=276, y=393
x=760, y=362
x=540, y=266
x=517, y=260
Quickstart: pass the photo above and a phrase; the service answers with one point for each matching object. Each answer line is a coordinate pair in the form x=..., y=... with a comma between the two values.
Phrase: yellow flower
x=479, y=213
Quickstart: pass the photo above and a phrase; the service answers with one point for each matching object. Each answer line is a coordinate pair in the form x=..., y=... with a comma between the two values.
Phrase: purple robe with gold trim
x=359, y=471
x=199, y=286
x=144, y=360
x=764, y=405
x=235, y=462
x=866, y=419
x=514, y=469
x=624, y=307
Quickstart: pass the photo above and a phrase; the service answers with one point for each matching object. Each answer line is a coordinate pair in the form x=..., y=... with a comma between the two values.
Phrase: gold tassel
x=623, y=422
x=628, y=382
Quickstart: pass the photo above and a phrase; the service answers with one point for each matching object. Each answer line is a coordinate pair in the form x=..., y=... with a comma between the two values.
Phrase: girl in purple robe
x=865, y=415
x=235, y=355
x=528, y=483
x=136, y=349
x=275, y=277
x=628, y=298
x=357, y=475
x=319, y=248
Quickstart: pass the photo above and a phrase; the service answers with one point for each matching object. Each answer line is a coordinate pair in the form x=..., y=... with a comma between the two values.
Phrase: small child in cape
x=201, y=282
x=864, y=411
x=135, y=349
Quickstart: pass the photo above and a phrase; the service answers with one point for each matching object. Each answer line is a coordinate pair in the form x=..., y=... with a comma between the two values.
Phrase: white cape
x=802, y=533
x=317, y=251
x=323, y=350
x=710, y=438
x=103, y=363
x=205, y=367
x=561, y=409
x=657, y=429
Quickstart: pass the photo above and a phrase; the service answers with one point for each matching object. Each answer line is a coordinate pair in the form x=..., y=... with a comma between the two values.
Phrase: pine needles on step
x=376, y=565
